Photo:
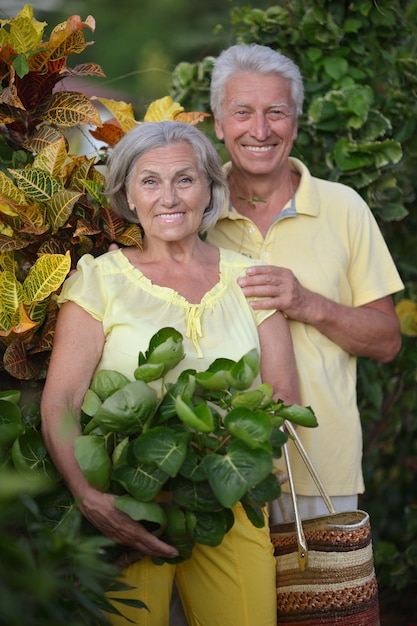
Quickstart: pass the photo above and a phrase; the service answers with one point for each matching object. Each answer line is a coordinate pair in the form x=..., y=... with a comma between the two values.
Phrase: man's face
x=258, y=122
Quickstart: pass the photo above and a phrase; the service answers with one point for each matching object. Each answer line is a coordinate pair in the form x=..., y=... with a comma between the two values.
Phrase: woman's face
x=169, y=192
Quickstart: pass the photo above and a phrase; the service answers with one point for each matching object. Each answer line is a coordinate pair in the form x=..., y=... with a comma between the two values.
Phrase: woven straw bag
x=325, y=566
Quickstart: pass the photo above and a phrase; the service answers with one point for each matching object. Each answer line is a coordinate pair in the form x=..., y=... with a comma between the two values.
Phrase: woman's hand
x=100, y=510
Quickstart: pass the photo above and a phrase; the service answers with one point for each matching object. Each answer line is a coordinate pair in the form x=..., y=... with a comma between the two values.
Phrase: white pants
x=309, y=506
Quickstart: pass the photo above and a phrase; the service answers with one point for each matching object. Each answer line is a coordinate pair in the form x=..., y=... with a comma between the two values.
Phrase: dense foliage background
x=359, y=62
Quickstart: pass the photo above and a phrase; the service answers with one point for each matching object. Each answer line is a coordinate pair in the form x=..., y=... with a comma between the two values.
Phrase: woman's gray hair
x=255, y=59
x=149, y=136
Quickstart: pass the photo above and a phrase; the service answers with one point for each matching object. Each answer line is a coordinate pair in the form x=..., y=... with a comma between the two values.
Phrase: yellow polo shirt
x=329, y=238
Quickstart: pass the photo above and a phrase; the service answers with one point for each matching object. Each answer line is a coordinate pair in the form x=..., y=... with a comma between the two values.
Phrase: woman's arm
x=78, y=345
x=278, y=366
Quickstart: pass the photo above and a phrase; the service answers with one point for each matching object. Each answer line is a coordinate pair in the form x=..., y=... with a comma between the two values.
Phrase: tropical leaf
x=46, y=276
x=109, y=133
x=113, y=225
x=191, y=117
x=11, y=292
x=10, y=97
x=44, y=136
x=16, y=362
x=69, y=108
x=87, y=69
x=9, y=192
x=59, y=208
x=25, y=32
x=36, y=184
x=33, y=220
x=132, y=236
x=80, y=173
x=21, y=321
x=122, y=111
x=52, y=158
x=7, y=114
x=163, y=109
x=8, y=244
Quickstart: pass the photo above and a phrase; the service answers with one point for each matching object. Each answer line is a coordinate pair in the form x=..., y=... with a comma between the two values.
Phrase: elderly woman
x=167, y=176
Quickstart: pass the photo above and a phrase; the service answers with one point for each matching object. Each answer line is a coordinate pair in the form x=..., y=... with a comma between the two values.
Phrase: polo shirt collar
x=306, y=199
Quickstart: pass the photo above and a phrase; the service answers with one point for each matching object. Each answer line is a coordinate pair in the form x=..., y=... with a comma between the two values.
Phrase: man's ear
x=218, y=128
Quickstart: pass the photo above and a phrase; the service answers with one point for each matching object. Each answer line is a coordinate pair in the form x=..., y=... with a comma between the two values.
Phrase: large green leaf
x=94, y=461
x=127, y=410
x=149, y=512
x=233, y=474
x=195, y=496
x=162, y=446
x=143, y=482
x=253, y=428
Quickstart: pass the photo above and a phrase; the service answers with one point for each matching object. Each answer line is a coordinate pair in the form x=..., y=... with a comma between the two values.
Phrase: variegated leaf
x=36, y=184
x=85, y=228
x=27, y=32
x=113, y=225
x=191, y=117
x=7, y=115
x=52, y=158
x=9, y=192
x=7, y=262
x=45, y=277
x=36, y=311
x=95, y=190
x=80, y=173
x=44, y=136
x=22, y=322
x=5, y=322
x=11, y=292
x=9, y=96
x=122, y=111
x=59, y=208
x=33, y=220
x=132, y=236
x=87, y=69
x=69, y=108
x=8, y=244
x=16, y=362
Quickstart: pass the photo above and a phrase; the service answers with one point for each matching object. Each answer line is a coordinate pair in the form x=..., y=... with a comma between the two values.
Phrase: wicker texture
x=339, y=584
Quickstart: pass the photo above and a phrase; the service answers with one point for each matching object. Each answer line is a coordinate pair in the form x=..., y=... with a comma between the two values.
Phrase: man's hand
x=278, y=288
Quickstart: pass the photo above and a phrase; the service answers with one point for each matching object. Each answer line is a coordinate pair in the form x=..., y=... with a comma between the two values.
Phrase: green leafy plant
x=180, y=459
x=53, y=568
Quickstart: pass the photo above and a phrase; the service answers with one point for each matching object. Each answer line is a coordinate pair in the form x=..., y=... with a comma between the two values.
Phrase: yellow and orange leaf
x=193, y=117
x=163, y=109
x=46, y=276
x=11, y=292
x=122, y=111
x=109, y=133
x=52, y=158
x=69, y=108
x=59, y=208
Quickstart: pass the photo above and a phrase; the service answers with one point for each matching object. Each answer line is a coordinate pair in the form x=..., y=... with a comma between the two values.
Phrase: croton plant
x=52, y=207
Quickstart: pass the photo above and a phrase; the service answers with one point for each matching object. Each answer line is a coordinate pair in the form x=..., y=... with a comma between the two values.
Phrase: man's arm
x=371, y=330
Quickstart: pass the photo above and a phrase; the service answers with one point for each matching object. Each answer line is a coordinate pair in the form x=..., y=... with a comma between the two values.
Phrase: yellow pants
x=230, y=585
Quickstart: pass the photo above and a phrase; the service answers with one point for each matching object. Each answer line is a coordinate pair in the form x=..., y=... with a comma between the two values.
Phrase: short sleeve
x=86, y=288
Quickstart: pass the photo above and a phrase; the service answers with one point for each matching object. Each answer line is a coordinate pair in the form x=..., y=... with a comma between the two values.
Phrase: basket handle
x=301, y=540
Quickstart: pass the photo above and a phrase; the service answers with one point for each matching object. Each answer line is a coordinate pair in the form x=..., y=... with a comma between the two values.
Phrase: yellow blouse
x=132, y=309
